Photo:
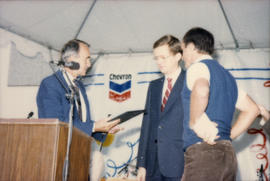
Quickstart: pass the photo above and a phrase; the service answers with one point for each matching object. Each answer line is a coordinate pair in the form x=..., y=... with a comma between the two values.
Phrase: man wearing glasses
x=160, y=155
x=51, y=98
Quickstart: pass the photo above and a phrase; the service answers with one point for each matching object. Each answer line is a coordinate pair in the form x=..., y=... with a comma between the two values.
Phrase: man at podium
x=52, y=99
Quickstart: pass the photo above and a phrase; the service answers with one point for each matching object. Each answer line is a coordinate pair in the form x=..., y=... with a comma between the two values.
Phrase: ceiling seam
x=147, y=52
x=85, y=18
x=27, y=37
x=229, y=25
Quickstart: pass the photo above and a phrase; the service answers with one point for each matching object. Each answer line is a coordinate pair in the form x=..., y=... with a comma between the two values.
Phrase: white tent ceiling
x=121, y=26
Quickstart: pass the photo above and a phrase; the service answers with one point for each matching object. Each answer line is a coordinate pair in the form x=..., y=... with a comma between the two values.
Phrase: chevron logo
x=120, y=92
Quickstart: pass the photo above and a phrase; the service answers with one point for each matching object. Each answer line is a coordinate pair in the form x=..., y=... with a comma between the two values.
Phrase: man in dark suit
x=51, y=98
x=160, y=154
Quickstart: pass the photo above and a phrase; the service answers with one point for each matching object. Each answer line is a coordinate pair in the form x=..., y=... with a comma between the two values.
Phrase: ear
x=191, y=46
x=178, y=56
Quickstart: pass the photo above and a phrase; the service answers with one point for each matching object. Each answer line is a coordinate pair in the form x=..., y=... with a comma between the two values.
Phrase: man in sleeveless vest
x=210, y=96
x=160, y=155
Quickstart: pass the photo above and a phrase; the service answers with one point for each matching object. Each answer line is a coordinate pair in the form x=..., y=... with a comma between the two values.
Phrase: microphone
x=30, y=115
x=72, y=65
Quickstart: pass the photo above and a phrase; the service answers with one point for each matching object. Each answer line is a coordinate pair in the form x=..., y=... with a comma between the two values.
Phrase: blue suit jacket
x=52, y=103
x=161, y=132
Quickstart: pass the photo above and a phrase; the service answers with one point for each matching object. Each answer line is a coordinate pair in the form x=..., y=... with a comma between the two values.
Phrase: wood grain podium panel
x=35, y=150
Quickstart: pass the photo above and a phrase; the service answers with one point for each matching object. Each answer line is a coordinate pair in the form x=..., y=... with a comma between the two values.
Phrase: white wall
x=252, y=71
x=17, y=101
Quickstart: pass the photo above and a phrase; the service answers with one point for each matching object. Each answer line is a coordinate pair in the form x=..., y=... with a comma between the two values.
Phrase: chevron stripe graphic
x=120, y=87
x=119, y=97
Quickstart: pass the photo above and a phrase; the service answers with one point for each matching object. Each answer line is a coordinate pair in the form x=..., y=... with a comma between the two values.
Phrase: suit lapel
x=65, y=86
x=176, y=91
x=63, y=82
x=157, y=95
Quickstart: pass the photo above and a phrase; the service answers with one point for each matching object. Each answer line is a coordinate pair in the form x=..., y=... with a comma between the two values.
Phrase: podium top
x=43, y=122
x=30, y=121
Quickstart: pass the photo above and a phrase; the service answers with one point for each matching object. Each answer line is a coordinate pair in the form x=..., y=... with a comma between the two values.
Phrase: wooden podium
x=35, y=149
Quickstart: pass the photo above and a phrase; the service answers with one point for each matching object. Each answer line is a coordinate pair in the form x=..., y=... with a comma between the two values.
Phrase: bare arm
x=249, y=111
x=199, y=121
x=198, y=100
x=265, y=115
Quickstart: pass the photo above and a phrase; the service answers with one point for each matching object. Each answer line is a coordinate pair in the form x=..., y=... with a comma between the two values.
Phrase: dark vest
x=221, y=103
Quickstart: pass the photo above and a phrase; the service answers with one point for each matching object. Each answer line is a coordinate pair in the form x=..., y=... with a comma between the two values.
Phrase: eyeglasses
x=162, y=57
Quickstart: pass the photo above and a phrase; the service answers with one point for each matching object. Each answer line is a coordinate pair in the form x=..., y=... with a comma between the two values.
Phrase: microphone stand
x=103, y=135
x=260, y=173
x=70, y=95
x=125, y=168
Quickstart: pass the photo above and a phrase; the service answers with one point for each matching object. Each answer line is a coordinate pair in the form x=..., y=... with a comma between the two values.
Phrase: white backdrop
x=117, y=69
x=250, y=68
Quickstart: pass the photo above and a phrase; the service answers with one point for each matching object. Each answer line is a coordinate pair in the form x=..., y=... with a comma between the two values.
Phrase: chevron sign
x=120, y=92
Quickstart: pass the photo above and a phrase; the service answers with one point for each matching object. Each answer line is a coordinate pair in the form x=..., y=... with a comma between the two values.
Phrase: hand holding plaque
x=127, y=115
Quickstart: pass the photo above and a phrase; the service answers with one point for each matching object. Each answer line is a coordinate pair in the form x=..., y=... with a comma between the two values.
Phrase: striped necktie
x=167, y=94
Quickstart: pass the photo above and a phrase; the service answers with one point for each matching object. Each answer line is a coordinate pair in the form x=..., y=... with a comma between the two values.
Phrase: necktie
x=167, y=93
x=77, y=98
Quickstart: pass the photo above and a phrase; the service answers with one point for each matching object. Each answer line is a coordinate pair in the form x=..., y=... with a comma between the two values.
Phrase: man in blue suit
x=51, y=98
x=160, y=155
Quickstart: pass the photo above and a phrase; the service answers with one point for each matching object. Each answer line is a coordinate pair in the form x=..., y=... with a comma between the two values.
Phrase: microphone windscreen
x=30, y=115
x=74, y=65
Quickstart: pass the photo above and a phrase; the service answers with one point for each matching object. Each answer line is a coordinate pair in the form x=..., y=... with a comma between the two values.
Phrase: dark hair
x=71, y=48
x=202, y=39
x=171, y=41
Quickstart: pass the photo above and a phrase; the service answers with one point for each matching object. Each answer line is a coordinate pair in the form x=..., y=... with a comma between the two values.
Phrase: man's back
x=221, y=105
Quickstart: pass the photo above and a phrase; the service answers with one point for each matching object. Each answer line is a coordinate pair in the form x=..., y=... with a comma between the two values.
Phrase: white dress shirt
x=83, y=105
x=174, y=77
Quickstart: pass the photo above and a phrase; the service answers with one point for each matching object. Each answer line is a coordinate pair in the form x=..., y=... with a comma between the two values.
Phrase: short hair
x=202, y=39
x=172, y=42
x=71, y=48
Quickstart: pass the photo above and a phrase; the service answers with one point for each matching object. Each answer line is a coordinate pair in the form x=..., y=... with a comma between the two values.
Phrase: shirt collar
x=203, y=57
x=68, y=77
x=175, y=74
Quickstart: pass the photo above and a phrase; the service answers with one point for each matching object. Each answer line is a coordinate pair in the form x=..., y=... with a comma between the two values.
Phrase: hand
x=265, y=114
x=206, y=129
x=115, y=129
x=141, y=174
x=105, y=126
